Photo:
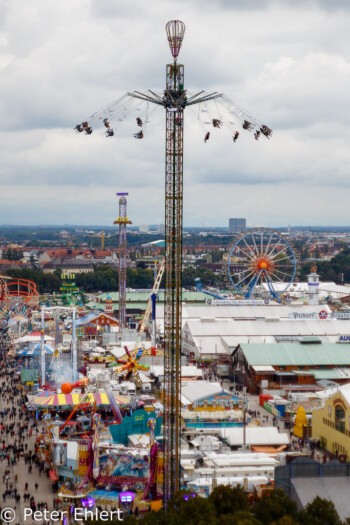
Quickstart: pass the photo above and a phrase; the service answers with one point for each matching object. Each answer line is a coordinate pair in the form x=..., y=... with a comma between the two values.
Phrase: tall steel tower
x=173, y=259
x=174, y=99
x=122, y=221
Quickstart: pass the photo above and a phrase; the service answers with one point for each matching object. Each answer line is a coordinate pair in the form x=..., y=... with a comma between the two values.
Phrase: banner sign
x=323, y=314
x=235, y=302
x=271, y=409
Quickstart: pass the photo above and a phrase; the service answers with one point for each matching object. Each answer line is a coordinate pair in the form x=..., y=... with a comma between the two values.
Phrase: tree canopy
x=231, y=506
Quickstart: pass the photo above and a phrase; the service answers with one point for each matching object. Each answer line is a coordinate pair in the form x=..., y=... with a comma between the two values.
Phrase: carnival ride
x=71, y=295
x=132, y=365
x=264, y=256
x=67, y=388
x=17, y=299
x=215, y=294
x=12, y=288
x=87, y=461
x=151, y=491
x=56, y=312
x=55, y=369
x=174, y=100
x=122, y=221
x=209, y=107
x=85, y=431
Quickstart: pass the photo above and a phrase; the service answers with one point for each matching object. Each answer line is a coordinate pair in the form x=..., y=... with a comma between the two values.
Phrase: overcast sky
x=286, y=62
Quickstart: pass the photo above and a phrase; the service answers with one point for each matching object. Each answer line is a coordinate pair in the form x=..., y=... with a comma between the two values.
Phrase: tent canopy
x=57, y=400
x=34, y=350
x=33, y=337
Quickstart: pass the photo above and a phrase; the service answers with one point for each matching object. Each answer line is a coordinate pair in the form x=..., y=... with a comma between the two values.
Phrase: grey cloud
x=286, y=64
x=250, y=5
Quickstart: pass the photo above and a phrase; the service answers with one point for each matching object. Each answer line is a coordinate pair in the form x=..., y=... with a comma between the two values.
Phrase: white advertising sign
x=323, y=314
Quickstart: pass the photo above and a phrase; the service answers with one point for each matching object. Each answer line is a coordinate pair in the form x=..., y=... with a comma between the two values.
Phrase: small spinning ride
x=131, y=366
x=261, y=256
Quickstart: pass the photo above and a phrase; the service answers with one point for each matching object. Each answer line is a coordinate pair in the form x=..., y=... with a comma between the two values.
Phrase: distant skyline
x=287, y=63
x=186, y=226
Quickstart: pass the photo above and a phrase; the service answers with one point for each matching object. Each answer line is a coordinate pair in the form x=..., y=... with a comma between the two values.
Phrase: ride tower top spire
x=175, y=30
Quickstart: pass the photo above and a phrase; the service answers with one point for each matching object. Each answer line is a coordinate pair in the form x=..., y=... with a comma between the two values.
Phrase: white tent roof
x=330, y=328
x=117, y=351
x=33, y=339
x=259, y=311
x=254, y=436
x=200, y=390
x=186, y=371
x=215, y=414
x=211, y=345
x=235, y=459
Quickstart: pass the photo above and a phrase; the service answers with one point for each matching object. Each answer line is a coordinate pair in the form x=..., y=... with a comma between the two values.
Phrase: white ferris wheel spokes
x=261, y=257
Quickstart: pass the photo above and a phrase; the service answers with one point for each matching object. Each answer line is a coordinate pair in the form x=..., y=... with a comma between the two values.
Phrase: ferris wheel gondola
x=261, y=257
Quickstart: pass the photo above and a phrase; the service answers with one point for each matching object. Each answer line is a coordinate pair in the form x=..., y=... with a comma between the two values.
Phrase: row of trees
x=105, y=279
x=336, y=270
x=231, y=506
x=12, y=255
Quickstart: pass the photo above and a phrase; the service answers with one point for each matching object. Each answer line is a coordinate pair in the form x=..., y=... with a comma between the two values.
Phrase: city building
x=331, y=423
x=201, y=395
x=69, y=266
x=286, y=364
x=213, y=331
x=237, y=225
x=303, y=479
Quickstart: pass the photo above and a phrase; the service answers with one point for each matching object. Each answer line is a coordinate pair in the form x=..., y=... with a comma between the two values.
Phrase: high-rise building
x=237, y=225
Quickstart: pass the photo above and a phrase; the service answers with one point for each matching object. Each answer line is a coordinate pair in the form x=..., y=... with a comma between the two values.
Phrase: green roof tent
x=138, y=299
x=296, y=354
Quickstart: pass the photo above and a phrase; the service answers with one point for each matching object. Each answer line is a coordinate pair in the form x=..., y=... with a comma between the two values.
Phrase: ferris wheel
x=261, y=257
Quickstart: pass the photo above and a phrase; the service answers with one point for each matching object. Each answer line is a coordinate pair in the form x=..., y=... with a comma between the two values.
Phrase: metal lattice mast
x=173, y=261
x=122, y=221
x=174, y=100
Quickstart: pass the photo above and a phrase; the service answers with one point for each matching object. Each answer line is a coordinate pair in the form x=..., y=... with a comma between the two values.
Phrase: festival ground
x=18, y=434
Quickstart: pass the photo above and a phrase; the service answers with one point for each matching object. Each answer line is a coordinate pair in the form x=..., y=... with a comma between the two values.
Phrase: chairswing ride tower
x=174, y=100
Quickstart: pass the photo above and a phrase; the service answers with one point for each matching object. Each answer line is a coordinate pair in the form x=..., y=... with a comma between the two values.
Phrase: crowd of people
x=21, y=467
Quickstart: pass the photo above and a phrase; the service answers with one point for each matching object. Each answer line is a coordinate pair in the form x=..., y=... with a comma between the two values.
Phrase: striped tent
x=35, y=350
x=58, y=400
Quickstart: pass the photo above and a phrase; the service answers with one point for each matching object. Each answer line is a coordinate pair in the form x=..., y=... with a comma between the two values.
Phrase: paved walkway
x=18, y=434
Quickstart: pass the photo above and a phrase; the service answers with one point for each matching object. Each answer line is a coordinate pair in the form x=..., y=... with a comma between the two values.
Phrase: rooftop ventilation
x=310, y=340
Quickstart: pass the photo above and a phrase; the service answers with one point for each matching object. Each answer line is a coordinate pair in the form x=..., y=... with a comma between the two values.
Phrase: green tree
x=242, y=517
x=320, y=512
x=216, y=256
x=274, y=505
x=192, y=511
x=228, y=500
x=286, y=520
